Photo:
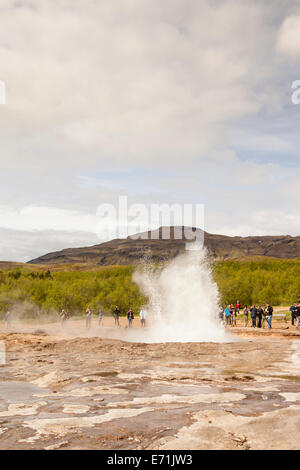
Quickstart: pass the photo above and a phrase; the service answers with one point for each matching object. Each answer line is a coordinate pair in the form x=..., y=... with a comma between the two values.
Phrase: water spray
x=183, y=299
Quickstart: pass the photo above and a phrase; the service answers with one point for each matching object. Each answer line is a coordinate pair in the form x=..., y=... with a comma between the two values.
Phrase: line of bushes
x=256, y=282
x=273, y=281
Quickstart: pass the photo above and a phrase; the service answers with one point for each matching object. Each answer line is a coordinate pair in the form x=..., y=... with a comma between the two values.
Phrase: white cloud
x=23, y=246
x=140, y=98
x=261, y=223
x=289, y=38
x=130, y=80
x=47, y=218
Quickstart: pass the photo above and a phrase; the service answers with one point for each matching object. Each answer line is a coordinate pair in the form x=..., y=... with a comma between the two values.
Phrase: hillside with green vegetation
x=46, y=292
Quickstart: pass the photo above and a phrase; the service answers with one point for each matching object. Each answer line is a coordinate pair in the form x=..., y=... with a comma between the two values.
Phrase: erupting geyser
x=183, y=300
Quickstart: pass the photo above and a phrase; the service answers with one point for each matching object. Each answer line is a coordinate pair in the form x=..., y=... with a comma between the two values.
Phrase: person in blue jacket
x=228, y=315
x=253, y=312
x=293, y=310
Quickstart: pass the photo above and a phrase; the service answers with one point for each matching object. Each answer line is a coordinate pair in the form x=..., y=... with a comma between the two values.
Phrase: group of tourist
x=260, y=316
x=100, y=315
x=130, y=317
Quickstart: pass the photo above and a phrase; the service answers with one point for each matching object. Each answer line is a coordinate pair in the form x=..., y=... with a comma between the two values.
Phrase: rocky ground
x=67, y=390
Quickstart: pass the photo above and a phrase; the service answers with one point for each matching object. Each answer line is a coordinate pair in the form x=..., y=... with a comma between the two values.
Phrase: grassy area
x=74, y=288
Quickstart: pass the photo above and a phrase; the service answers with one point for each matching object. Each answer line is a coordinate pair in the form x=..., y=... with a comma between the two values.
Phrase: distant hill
x=132, y=249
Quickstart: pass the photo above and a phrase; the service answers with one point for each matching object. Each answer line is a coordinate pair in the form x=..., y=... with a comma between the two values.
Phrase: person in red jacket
x=236, y=311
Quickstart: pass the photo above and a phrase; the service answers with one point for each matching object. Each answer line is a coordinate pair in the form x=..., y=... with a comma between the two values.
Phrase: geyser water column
x=183, y=300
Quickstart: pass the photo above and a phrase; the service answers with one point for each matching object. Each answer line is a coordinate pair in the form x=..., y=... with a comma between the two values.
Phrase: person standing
x=100, y=317
x=253, y=316
x=297, y=313
x=259, y=315
x=233, y=315
x=237, y=309
x=228, y=315
x=293, y=313
x=221, y=316
x=7, y=319
x=264, y=317
x=117, y=316
x=143, y=316
x=88, y=318
x=63, y=317
x=269, y=312
x=130, y=317
x=246, y=315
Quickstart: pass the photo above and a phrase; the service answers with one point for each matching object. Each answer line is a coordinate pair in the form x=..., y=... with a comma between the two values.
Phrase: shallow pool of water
x=15, y=391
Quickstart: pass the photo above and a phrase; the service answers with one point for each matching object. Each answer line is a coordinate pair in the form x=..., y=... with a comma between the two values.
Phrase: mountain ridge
x=130, y=250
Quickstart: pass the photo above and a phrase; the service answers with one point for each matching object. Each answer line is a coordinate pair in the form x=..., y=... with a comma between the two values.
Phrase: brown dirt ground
x=78, y=389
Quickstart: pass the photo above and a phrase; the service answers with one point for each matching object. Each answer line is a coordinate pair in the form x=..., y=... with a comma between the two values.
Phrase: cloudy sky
x=169, y=101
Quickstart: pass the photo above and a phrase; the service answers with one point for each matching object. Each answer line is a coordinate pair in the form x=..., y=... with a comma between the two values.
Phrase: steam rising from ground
x=183, y=300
